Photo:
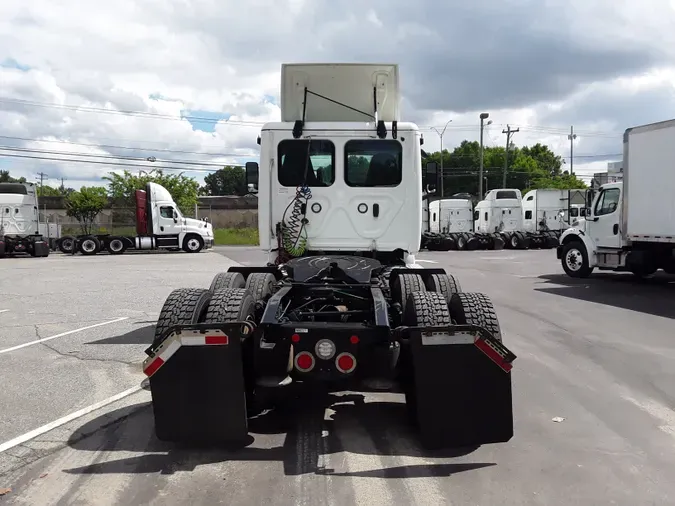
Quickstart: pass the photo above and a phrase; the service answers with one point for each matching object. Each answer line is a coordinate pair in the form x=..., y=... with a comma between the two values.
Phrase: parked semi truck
x=552, y=211
x=630, y=225
x=159, y=225
x=453, y=217
x=342, y=302
x=19, y=221
x=501, y=211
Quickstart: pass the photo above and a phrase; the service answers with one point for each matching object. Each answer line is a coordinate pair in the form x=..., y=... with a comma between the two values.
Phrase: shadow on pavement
x=294, y=435
x=142, y=335
x=650, y=296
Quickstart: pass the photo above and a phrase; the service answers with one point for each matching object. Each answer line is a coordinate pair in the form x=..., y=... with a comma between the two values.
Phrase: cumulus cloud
x=195, y=79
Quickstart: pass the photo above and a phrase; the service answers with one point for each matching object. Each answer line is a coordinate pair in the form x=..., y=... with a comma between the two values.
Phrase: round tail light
x=345, y=363
x=304, y=361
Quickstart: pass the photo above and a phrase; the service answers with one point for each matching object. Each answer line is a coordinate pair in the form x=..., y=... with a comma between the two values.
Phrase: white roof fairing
x=353, y=84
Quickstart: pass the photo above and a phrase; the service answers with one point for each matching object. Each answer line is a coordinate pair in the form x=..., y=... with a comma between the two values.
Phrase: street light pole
x=440, y=134
x=483, y=117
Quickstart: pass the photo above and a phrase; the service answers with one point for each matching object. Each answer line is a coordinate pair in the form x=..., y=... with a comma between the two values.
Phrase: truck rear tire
x=183, y=306
x=224, y=280
x=574, y=260
x=475, y=309
x=66, y=244
x=115, y=245
x=445, y=284
x=231, y=305
x=425, y=309
x=89, y=245
x=261, y=285
x=405, y=284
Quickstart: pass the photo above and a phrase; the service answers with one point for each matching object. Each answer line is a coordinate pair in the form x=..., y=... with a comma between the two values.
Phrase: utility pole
x=571, y=138
x=508, y=133
x=440, y=134
x=483, y=117
x=42, y=178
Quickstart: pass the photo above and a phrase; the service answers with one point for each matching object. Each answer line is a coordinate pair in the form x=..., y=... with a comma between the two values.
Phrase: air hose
x=293, y=232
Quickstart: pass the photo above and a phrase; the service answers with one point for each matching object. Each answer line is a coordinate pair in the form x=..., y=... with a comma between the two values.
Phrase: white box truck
x=630, y=225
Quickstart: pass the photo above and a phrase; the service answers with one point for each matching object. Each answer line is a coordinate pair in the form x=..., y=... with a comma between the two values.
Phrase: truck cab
x=339, y=173
x=451, y=216
x=499, y=211
x=19, y=221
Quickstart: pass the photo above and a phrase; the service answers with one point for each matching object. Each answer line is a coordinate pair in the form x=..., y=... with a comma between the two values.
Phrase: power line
x=112, y=164
x=112, y=157
x=158, y=150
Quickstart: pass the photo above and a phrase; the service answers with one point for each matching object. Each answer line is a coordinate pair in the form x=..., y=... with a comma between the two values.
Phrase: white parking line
x=13, y=348
x=3, y=310
x=68, y=418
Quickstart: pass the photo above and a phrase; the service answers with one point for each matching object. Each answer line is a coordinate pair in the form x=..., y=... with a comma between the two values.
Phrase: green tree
x=6, y=178
x=48, y=191
x=85, y=205
x=230, y=180
x=546, y=159
x=183, y=189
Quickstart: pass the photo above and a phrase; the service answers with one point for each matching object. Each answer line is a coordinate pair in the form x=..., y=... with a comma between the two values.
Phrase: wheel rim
x=514, y=241
x=193, y=244
x=116, y=245
x=88, y=245
x=67, y=244
x=461, y=241
x=573, y=259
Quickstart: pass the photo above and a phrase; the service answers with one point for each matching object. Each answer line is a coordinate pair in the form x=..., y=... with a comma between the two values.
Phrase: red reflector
x=485, y=347
x=154, y=365
x=295, y=338
x=217, y=340
x=345, y=362
x=305, y=361
x=354, y=339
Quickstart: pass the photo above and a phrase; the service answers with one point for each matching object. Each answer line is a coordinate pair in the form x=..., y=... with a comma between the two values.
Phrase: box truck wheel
x=193, y=244
x=575, y=260
x=183, y=306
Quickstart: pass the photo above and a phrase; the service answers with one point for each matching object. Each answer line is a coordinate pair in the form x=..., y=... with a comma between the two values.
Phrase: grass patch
x=236, y=237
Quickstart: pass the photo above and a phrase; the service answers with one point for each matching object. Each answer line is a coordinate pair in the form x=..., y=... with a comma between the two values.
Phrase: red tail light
x=304, y=361
x=345, y=363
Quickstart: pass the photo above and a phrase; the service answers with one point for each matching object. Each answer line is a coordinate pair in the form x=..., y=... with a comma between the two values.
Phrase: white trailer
x=630, y=225
x=19, y=221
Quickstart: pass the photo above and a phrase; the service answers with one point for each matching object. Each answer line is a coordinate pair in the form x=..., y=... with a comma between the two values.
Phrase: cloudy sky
x=190, y=82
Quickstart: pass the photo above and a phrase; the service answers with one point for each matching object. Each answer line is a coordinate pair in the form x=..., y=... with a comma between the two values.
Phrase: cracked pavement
x=593, y=397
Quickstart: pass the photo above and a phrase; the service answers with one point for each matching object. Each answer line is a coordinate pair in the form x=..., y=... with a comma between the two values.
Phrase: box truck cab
x=630, y=225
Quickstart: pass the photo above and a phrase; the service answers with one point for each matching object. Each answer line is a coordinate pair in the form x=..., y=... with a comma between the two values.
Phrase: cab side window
x=166, y=212
x=608, y=202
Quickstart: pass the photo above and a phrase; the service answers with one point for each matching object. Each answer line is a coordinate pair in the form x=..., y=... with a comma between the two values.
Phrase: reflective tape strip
x=199, y=339
x=153, y=364
x=493, y=354
x=444, y=338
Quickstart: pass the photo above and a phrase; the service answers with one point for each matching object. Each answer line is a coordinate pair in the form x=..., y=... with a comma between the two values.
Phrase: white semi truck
x=159, y=225
x=342, y=302
x=550, y=210
x=630, y=225
x=454, y=218
x=19, y=221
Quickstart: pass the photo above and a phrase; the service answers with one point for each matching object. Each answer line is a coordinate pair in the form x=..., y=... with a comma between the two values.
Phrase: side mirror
x=252, y=173
x=175, y=216
x=431, y=175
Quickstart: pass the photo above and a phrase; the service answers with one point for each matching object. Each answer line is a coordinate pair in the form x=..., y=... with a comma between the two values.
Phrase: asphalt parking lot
x=597, y=356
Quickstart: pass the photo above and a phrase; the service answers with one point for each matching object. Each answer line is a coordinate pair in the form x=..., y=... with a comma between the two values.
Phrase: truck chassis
x=222, y=354
x=33, y=245
x=93, y=244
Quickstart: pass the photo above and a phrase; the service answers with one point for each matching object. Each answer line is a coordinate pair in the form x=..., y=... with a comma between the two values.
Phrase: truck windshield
x=13, y=188
x=292, y=156
x=373, y=163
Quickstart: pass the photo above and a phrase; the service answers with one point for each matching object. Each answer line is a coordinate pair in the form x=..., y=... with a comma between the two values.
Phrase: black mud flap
x=462, y=378
x=196, y=377
x=41, y=249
